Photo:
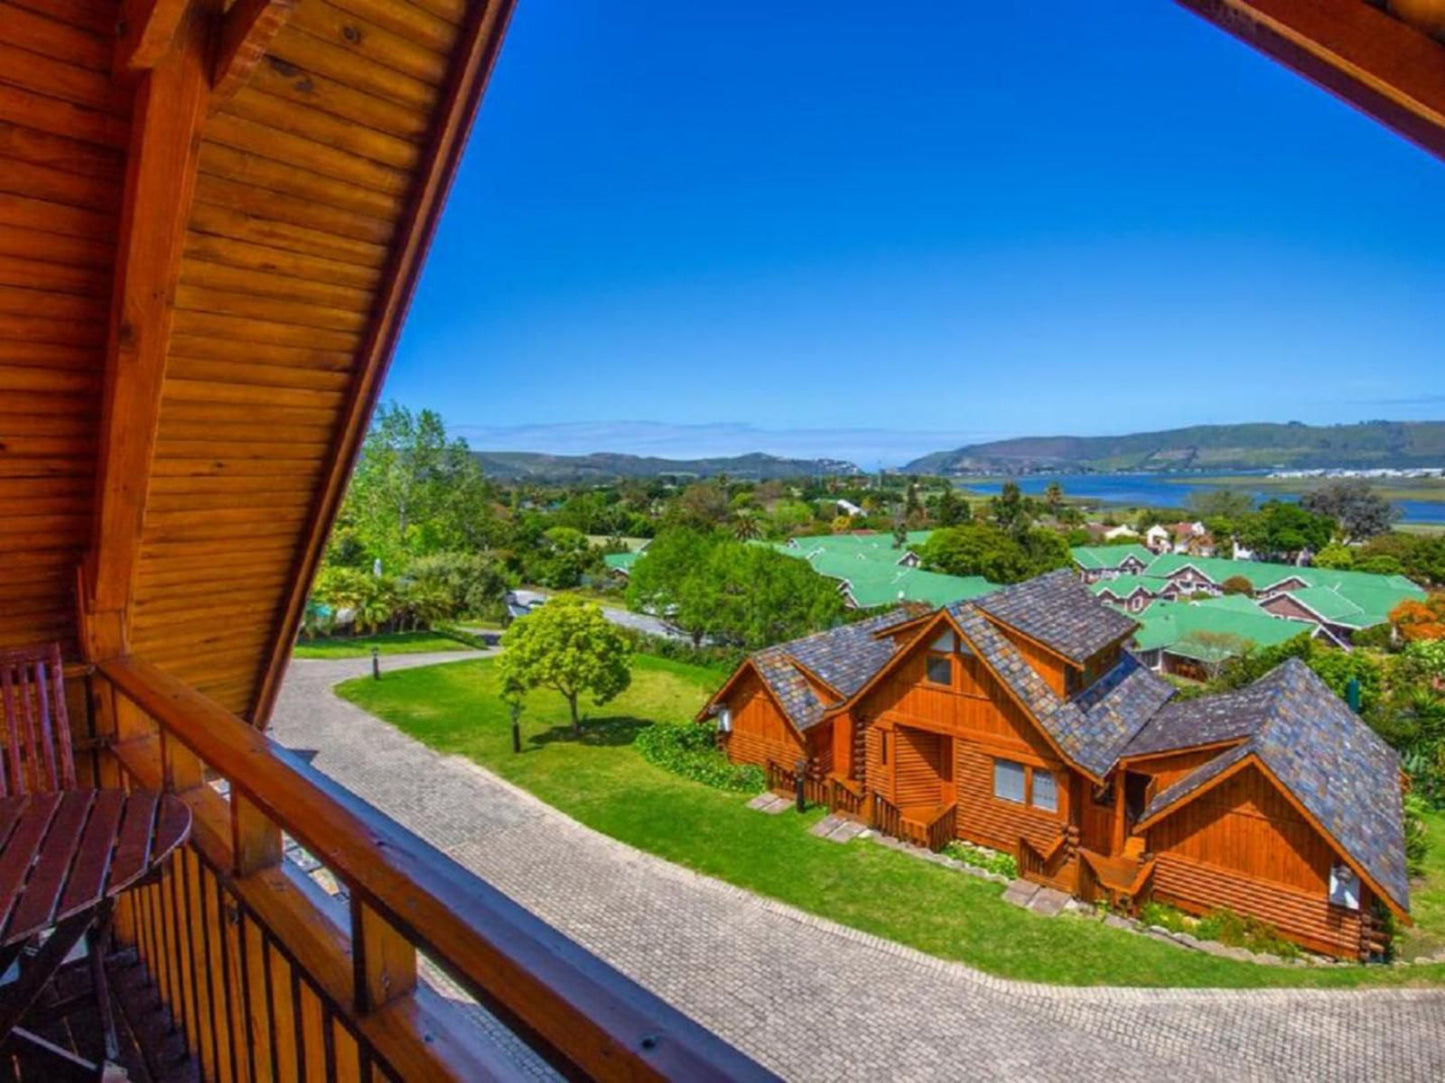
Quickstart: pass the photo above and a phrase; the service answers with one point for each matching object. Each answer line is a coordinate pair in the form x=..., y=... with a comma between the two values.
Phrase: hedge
x=689, y=750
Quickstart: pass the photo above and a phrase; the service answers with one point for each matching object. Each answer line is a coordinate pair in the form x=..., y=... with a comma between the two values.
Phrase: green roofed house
x=1340, y=602
x=621, y=563
x=1130, y=592
x=1098, y=562
x=875, y=575
x=1186, y=638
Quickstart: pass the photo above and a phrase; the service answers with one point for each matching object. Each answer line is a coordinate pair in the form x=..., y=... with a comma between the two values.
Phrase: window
x=1008, y=781
x=944, y=643
x=940, y=669
x=1045, y=793
x=1344, y=887
x=725, y=720
x=883, y=749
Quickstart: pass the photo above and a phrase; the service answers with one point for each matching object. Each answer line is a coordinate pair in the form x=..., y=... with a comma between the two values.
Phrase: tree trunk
x=572, y=706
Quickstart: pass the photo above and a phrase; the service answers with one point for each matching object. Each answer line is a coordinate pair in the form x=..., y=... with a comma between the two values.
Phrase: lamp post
x=376, y=663
x=798, y=769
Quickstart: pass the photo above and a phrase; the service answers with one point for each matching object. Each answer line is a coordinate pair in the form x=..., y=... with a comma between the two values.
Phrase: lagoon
x=1172, y=490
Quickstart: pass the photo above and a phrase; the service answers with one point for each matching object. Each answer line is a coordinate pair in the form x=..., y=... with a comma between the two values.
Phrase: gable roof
x=1105, y=557
x=1058, y=611
x=1089, y=730
x=1122, y=586
x=843, y=658
x=1313, y=745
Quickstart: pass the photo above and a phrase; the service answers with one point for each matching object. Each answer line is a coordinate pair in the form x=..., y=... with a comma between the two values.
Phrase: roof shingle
x=1060, y=612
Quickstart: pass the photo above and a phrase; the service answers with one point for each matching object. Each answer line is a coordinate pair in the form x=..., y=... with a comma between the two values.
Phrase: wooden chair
x=36, y=756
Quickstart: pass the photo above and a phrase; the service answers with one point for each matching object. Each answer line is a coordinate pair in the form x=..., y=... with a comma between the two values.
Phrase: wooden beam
x=1377, y=63
x=145, y=32
x=245, y=36
x=170, y=106
x=476, y=53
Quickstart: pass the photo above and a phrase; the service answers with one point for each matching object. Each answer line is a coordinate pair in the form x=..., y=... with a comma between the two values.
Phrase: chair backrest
x=36, y=751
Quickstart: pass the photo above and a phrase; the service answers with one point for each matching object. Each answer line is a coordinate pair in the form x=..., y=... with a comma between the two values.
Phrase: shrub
x=681, y=650
x=1239, y=931
x=688, y=749
x=995, y=861
x=1167, y=917
x=1237, y=584
x=1417, y=840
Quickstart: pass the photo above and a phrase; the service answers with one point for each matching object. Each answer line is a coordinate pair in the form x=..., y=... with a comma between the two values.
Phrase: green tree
x=752, y=596
x=1009, y=509
x=1336, y=556
x=658, y=579
x=1237, y=584
x=1282, y=529
x=1054, y=498
x=570, y=647
x=1353, y=503
x=950, y=509
x=986, y=550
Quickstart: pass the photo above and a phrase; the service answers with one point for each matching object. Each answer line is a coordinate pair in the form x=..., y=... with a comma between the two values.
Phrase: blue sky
x=871, y=232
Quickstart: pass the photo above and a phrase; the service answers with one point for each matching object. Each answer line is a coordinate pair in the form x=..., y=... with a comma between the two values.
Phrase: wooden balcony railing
x=783, y=780
x=270, y=978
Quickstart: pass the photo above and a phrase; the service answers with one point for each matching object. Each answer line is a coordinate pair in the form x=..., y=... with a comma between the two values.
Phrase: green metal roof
x=1170, y=626
x=1102, y=557
x=1121, y=586
x=621, y=562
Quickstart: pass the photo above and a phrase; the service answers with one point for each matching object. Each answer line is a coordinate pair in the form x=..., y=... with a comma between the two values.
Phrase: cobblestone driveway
x=817, y=1001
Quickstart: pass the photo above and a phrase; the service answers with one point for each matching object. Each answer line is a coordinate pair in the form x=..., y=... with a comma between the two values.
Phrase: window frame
x=1000, y=762
x=930, y=658
x=1033, y=773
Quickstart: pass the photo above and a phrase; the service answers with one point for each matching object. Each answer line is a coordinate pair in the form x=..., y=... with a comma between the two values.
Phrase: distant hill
x=604, y=466
x=1203, y=447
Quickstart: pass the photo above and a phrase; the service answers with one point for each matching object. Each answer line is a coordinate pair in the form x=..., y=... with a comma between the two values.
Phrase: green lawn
x=387, y=643
x=605, y=784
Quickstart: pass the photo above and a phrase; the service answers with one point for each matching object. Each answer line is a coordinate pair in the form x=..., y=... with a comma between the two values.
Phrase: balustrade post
x=255, y=840
x=181, y=768
x=384, y=961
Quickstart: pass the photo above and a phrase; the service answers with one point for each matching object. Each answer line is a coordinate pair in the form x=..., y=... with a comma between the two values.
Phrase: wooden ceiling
x=210, y=226
x=212, y=216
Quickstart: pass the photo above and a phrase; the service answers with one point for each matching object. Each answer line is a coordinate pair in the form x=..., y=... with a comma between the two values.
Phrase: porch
x=236, y=966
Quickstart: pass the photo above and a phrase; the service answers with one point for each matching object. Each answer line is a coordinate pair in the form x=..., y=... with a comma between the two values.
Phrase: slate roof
x=1329, y=760
x=845, y=657
x=1058, y=611
x=1090, y=729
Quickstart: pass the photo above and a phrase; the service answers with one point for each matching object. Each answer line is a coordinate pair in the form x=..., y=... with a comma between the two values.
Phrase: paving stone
x=810, y=999
x=825, y=827
x=846, y=831
x=761, y=800
x=1048, y=902
x=1020, y=892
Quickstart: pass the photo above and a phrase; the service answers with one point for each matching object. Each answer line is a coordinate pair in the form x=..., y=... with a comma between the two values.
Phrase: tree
x=1213, y=650
x=1336, y=556
x=751, y=596
x=1237, y=584
x=950, y=509
x=1284, y=529
x=415, y=491
x=570, y=647
x=745, y=524
x=1419, y=621
x=1054, y=498
x=1380, y=565
x=982, y=549
x=1353, y=503
x=1009, y=509
x=701, y=505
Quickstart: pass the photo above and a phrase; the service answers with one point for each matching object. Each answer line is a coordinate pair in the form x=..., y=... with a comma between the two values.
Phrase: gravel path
x=817, y=1001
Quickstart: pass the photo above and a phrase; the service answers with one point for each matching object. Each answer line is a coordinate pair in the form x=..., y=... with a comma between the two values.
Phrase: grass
x=1427, y=898
x=603, y=782
x=386, y=643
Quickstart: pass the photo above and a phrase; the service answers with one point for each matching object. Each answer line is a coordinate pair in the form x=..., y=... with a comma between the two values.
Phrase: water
x=1172, y=491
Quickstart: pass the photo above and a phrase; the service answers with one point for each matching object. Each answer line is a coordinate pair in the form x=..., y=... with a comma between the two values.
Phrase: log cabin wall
x=64, y=131
x=1244, y=846
x=760, y=733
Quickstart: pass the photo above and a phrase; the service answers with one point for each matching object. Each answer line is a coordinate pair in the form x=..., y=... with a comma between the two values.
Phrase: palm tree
x=745, y=525
x=1054, y=498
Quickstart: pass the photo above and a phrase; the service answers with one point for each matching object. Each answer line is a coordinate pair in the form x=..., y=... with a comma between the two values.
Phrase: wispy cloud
x=868, y=447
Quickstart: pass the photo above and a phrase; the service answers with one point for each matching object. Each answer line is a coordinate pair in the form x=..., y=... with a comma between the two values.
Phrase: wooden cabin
x=1017, y=721
x=212, y=217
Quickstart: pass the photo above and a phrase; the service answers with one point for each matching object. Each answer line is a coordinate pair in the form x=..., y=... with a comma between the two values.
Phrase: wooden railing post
x=182, y=768
x=255, y=840
x=384, y=961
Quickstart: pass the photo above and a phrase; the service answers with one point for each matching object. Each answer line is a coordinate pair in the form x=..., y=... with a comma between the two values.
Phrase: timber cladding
x=760, y=733
x=64, y=129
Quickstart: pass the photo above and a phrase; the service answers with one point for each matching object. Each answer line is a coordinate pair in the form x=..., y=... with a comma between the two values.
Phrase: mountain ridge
x=603, y=466
x=1248, y=446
